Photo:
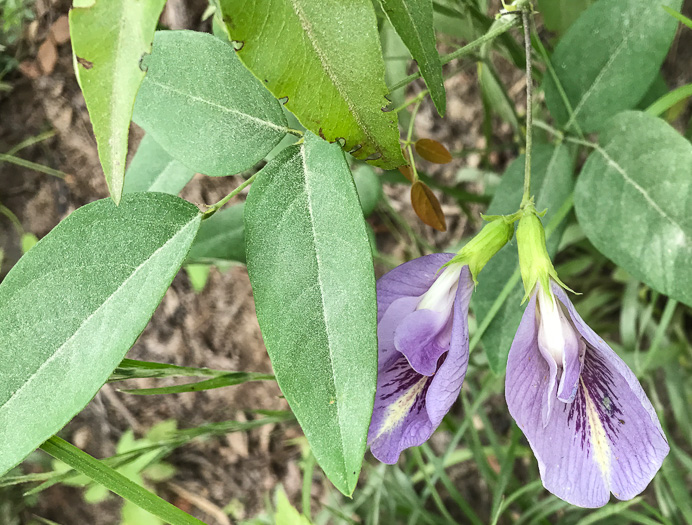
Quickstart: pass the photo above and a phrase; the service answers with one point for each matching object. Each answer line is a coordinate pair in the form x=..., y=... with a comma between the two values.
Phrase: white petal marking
x=397, y=411
x=599, y=438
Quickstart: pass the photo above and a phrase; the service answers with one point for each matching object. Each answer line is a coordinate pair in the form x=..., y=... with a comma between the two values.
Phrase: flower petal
x=446, y=383
x=607, y=439
x=529, y=366
x=399, y=420
x=386, y=327
x=423, y=336
x=571, y=369
x=412, y=278
x=636, y=445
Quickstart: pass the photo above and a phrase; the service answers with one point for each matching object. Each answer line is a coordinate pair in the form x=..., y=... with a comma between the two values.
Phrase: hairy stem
x=525, y=16
x=215, y=207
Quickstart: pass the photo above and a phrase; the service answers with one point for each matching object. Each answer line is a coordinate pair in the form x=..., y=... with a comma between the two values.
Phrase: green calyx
x=479, y=250
x=534, y=262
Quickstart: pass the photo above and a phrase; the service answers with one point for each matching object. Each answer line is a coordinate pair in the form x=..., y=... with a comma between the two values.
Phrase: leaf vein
x=219, y=106
x=324, y=306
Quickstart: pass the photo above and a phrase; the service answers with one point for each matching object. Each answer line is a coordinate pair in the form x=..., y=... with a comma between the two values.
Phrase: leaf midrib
x=226, y=109
x=337, y=403
x=58, y=350
x=336, y=82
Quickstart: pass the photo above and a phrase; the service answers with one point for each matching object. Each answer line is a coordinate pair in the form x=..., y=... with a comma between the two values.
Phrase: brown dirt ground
x=216, y=328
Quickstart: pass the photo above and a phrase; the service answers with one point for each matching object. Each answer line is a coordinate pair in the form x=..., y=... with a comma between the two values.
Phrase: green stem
x=309, y=467
x=116, y=482
x=526, y=199
x=413, y=100
x=215, y=207
x=561, y=136
x=30, y=142
x=4, y=210
x=4, y=157
x=409, y=136
x=463, y=51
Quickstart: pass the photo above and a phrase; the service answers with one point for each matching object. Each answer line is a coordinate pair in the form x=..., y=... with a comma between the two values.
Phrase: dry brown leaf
x=427, y=207
x=60, y=30
x=47, y=56
x=433, y=151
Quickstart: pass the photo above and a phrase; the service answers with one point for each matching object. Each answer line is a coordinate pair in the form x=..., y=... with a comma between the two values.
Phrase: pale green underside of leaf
x=73, y=306
x=608, y=59
x=413, y=21
x=221, y=237
x=311, y=270
x=152, y=169
x=326, y=59
x=551, y=184
x=634, y=201
x=204, y=108
x=109, y=38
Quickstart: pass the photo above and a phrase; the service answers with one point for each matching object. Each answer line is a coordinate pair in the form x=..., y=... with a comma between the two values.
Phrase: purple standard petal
x=607, y=439
x=636, y=445
x=410, y=279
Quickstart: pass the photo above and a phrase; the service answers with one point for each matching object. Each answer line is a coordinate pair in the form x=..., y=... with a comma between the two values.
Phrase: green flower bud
x=534, y=262
x=479, y=250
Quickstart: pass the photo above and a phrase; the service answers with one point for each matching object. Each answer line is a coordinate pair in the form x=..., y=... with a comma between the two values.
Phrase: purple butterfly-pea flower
x=423, y=341
x=585, y=415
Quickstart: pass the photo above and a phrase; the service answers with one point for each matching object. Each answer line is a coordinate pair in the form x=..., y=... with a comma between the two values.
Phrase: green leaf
x=559, y=15
x=369, y=188
x=608, y=59
x=286, y=514
x=551, y=184
x=680, y=17
x=413, y=21
x=311, y=271
x=203, y=107
x=396, y=61
x=495, y=94
x=326, y=62
x=228, y=379
x=152, y=169
x=74, y=305
x=669, y=100
x=631, y=201
x=198, y=274
x=657, y=89
x=221, y=237
x=116, y=482
x=133, y=369
x=28, y=241
x=109, y=38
